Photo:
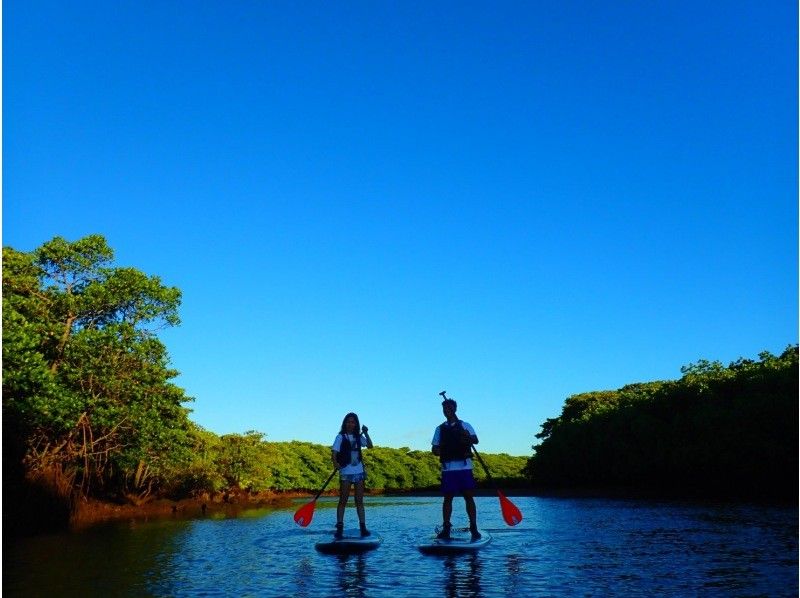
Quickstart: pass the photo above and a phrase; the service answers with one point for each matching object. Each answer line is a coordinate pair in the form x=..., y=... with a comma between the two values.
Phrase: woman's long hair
x=357, y=431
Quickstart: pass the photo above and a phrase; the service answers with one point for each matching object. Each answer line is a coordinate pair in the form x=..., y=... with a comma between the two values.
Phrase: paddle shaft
x=486, y=469
x=325, y=485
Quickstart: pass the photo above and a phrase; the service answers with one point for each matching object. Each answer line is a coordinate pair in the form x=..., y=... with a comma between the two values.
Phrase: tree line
x=718, y=430
x=249, y=462
x=90, y=407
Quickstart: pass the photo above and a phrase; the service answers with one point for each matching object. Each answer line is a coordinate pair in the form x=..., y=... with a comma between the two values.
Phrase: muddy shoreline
x=89, y=512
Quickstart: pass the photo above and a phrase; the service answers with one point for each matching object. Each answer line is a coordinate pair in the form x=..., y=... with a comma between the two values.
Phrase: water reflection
x=351, y=578
x=304, y=576
x=564, y=548
x=514, y=570
x=462, y=576
x=119, y=560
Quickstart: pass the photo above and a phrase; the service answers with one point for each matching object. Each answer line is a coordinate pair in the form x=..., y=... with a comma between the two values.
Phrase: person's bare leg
x=344, y=495
x=447, y=512
x=359, y=497
x=472, y=513
x=447, y=509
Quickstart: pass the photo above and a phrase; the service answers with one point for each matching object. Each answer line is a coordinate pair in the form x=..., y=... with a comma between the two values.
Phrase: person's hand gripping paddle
x=305, y=514
x=511, y=514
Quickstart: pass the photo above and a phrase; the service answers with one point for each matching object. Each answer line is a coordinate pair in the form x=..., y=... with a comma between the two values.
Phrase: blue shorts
x=457, y=481
x=351, y=477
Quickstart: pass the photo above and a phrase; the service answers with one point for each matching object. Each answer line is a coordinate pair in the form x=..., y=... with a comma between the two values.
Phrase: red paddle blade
x=511, y=514
x=305, y=514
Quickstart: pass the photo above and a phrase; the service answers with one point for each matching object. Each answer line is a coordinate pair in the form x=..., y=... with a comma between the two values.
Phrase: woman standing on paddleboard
x=346, y=455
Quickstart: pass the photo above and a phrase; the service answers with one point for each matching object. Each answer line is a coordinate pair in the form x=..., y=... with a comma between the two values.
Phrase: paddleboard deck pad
x=459, y=542
x=350, y=543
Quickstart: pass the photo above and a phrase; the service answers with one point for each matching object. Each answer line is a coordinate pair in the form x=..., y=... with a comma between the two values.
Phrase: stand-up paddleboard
x=458, y=542
x=350, y=543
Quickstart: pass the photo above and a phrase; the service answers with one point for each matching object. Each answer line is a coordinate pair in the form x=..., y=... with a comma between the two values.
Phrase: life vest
x=451, y=444
x=343, y=456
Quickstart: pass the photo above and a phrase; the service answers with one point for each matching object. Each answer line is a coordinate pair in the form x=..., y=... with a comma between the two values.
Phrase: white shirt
x=460, y=463
x=355, y=466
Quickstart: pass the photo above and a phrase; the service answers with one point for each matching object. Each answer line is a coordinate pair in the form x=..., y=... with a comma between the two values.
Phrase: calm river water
x=564, y=547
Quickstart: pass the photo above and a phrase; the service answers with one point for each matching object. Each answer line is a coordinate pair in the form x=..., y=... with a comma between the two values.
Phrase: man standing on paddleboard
x=452, y=443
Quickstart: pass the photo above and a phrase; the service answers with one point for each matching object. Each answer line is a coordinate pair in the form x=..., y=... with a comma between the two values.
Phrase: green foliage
x=201, y=475
x=286, y=466
x=87, y=391
x=292, y=466
x=302, y=465
x=718, y=429
x=506, y=470
x=89, y=402
x=246, y=461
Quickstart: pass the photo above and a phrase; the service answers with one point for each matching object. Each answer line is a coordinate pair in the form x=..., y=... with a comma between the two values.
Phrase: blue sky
x=366, y=203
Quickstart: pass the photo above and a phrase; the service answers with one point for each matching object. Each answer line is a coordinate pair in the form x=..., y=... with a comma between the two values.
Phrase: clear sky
x=365, y=203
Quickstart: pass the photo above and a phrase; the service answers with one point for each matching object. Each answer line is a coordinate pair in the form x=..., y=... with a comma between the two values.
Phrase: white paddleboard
x=459, y=542
x=352, y=542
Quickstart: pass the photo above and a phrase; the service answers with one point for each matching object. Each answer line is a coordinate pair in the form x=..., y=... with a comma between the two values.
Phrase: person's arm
x=335, y=452
x=435, y=443
x=365, y=432
x=468, y=434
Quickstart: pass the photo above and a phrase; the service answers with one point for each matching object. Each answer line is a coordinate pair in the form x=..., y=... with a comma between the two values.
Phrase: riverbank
x=88, y=512
x=231, y=504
